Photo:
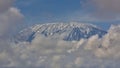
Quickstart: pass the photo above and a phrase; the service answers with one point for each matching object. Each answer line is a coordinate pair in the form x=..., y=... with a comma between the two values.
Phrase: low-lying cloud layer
x=45, y=52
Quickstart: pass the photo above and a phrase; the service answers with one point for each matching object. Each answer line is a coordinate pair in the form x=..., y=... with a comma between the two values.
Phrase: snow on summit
x=65, y=31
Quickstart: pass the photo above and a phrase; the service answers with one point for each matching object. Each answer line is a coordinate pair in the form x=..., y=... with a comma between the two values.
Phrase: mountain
x=65, y=31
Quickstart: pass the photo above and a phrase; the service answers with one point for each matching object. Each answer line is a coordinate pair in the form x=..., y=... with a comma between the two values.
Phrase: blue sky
x=44, y=11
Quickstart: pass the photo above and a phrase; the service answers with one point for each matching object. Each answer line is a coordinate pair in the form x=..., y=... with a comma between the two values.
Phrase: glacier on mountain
x=65, y=31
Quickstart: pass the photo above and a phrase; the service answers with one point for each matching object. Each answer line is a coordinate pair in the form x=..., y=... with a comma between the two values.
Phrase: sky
x=86, y=53
x=100, y=12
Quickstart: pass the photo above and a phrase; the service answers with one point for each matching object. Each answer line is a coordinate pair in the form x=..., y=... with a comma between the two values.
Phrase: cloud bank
x=45, y=52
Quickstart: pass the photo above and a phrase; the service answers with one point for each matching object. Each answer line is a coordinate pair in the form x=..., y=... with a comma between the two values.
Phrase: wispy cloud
x=5, y=5
x=103, y=9
x=9, y=16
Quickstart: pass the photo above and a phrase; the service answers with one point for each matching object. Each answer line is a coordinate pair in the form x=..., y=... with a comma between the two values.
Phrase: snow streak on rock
x=65, y=31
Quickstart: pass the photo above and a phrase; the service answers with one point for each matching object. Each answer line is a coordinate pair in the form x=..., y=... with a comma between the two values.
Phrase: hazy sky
x=97, y=11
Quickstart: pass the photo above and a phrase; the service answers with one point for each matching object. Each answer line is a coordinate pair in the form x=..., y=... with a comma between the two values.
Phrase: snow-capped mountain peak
x=65, y=31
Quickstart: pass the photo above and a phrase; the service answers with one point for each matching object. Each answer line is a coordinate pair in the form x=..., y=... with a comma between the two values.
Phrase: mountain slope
x=65, y=31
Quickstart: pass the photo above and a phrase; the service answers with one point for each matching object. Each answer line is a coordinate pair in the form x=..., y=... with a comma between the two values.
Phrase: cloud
x=9, y=16
x=103, y=9
x=110, y=43
x=46, y=52
x=5, y=5
x=9, y=19
x=49, y=53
